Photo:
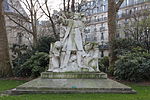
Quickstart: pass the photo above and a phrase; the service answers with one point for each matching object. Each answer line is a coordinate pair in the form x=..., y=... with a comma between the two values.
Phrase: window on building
x=130, y=11
x=102, y=28
x=91, y=11
x=89, y=30
x=103, y=7
x=98, y=18
x=102, y=16
x=95, y=18
x=95, y=29
x=130, y=2
x=102, y=53
x=102, y=24
x=98, y=10
x=92, y=3
x=127, y=11
x=88, y=4
x=20, y=36
x=95, y=10
x=102, y=36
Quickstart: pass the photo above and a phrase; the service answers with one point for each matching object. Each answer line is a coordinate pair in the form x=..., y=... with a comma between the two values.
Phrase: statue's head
x=77, y=16
x=58, y=44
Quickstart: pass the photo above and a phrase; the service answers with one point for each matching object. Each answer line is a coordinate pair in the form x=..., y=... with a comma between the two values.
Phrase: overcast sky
x=55, y=4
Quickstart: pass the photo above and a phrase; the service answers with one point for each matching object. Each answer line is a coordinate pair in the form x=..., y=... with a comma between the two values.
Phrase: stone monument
x=69, y=54
x=73, y=65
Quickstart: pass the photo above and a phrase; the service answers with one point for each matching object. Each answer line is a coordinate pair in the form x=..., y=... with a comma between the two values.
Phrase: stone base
x=71, y=82
x=74, y=75
x=44, y=86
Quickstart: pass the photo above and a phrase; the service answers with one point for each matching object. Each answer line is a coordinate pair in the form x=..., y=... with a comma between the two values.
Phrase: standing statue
x=73, y=41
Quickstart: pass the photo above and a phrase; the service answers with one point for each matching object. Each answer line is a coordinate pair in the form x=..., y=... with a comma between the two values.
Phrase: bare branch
x=49, y=16
x=27, y=7
x=35, y=3
x=68, y=5
x=28, y=4
x=47, y=8
x=19, y=24
x=43, y=9
x=18, y=12
x=39, y=17
x=119, y=4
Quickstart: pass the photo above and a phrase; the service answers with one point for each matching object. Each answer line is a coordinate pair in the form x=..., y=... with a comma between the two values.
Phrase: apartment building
x=96, y=12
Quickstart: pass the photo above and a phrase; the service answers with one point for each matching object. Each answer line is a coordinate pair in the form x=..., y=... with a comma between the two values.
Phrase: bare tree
x=5, y=65
x=113, y=8
x=69, y=5
x=64, y=4
x=47, y=12
x=31, y=19
x=138, y=28
x=73, y=6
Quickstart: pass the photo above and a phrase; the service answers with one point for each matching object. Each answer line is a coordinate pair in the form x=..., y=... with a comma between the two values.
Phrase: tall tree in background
x=73, y=6
x=64, y=4
x=5, y=65
x=113, y=8
x=69, y=5
x=47, y=12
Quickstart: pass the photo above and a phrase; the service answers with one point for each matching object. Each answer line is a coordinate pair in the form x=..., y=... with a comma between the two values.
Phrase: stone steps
x=69, y=91
x=46, y=86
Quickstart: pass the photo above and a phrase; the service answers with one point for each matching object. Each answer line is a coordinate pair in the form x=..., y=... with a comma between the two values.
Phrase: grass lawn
x=143, y=94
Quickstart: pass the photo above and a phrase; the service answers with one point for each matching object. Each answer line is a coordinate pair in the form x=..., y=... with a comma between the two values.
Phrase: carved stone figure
x=54, y=62
x=91, y=59
x=73, y=40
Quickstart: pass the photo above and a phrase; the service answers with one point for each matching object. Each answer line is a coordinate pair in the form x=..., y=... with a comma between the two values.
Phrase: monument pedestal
x=71, y=82
x=74, y=75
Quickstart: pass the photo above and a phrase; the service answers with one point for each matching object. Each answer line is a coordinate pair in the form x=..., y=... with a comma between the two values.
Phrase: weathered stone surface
x=71, y=86
x=74, y=75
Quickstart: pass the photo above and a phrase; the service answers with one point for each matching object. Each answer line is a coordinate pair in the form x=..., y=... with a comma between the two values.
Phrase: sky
x=55, y=4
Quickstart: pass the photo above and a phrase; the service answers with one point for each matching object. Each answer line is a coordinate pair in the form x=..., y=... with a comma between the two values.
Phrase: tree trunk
x=68, y=5
x=113, y=8
x=111, y=30
x=35, y=40
x=64, y=4
x=73, y=6
x=5, y=64
x=33, y=14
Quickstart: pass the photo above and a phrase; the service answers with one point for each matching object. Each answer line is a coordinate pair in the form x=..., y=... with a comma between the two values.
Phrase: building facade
x=18, y=38
x=96, y=12
x=16, y=35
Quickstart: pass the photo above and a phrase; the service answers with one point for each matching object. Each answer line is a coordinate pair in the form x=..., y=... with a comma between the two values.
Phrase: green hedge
x=133, y=66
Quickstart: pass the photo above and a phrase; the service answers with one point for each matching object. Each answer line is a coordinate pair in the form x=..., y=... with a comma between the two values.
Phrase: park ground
x=143, y=93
